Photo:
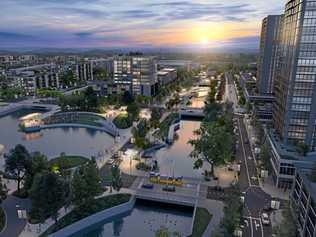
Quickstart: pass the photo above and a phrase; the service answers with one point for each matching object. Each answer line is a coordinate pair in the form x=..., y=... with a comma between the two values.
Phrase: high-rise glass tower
x=268, y=53
x=294, y=113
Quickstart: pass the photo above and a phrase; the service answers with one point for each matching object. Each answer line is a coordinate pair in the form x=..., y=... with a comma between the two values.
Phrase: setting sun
x=204, y=41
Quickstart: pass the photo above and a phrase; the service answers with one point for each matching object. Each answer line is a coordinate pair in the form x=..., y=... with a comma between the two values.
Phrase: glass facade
x=295, y=78
x=268, y=53
x=138, y=74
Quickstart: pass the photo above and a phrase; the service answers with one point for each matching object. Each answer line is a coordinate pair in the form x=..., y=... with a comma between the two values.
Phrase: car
x=148, y=186
x=169, y=188
x=265, y=219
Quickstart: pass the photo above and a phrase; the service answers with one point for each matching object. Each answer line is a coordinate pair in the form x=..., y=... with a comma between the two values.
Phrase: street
x=255, y=199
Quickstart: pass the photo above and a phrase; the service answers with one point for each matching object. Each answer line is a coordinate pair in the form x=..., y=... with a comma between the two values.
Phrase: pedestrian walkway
x=269, y=187
x=35, y=230
x=14, y=222
x=215, y=208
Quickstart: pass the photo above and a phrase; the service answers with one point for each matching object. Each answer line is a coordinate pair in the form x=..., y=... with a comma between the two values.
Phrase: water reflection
x=51, y=142
x=145, y=220
x=175, y=160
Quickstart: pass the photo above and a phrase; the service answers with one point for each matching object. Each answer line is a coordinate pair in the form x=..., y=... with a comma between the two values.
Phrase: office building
x=268, y=53
x=144, y=76
x=293, y=70
x=166, y=76
x=136, y=74
x=294, y=113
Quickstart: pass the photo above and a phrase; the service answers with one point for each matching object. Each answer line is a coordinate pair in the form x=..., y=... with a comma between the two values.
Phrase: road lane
x=255, y=198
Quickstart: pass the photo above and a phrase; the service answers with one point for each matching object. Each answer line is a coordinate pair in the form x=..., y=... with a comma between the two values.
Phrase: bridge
x=186, y=195
x=192, y=112
x=166, y=197
x=28, y=104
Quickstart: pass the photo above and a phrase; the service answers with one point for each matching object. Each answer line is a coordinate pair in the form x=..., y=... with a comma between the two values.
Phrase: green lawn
x=67, y=162
x=202, y=219
x=2, y=219
x=98, y=205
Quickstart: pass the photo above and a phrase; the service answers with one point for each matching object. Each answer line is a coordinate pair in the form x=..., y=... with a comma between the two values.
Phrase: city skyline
x=140, y=24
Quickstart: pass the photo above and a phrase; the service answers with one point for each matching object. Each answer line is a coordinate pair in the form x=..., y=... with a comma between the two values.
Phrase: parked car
x=265, y=219
x=169, y=188
x=148, y=186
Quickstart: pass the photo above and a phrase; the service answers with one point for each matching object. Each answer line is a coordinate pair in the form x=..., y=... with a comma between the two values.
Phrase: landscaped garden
x=95, y=206
x=201, y=221
x=67, y=162
x=164, y=125
x=106, y=175
x=76, y=118
x=123, y=121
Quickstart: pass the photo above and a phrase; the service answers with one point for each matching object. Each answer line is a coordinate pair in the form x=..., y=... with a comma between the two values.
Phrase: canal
x=145, y=219
x=175, y=160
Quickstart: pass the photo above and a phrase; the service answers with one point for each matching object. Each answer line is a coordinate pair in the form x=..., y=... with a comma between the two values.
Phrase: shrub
x=123, y=121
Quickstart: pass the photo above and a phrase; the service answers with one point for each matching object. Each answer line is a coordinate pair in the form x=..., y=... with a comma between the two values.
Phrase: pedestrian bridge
x=166, y=197
x=192, y=112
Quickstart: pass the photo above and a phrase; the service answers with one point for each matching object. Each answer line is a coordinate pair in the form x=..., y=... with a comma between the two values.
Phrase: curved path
x=14, y=225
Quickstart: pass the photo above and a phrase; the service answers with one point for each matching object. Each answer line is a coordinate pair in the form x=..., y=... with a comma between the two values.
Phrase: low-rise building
x=284, y=159
x=166, y=75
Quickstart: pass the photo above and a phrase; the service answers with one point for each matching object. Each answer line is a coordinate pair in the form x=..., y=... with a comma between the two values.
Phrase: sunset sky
x=133, y=23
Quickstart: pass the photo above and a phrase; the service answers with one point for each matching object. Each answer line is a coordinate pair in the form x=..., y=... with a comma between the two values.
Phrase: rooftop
x=289, y=152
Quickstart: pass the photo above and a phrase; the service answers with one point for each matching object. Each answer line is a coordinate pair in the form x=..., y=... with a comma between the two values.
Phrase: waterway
x=175, y=160
x=145, y=220
x=51, y=142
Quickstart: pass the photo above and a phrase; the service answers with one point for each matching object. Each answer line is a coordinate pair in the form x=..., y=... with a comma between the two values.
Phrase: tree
x=265, y=156
x=3, y=191
x=302, y=148
x=164, y=232
x=139, y=133
x=17, y=163
x=211, y=111
x=116, y=182
x=155, y=117
x=86, y=184
x=127, y=98
x=48, y=195
x=312, y=175
x=133, y=110
x=213, y=145
x=68, y=78
x=232, y=212
x=91, y=99
x=38, y=165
